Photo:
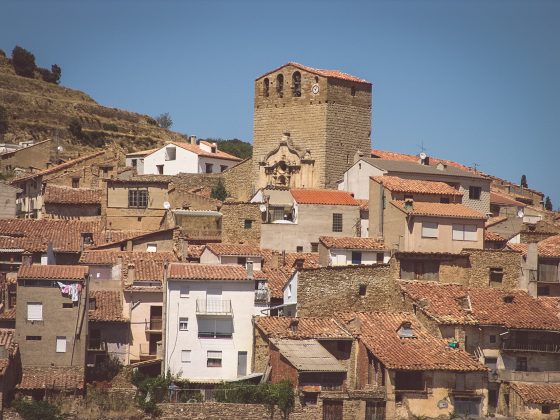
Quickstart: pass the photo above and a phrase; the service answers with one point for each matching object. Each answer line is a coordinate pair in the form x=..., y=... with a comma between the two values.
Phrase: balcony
x=147, y=353
x=153, y=325
x=261, y=296
x=96, y=344
x=532, y=347
x=214, y=307
x=519, y=376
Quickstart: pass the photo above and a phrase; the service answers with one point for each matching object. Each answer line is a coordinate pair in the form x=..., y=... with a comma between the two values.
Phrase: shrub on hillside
x=52, y=75
x=37, y=410
x=110, y=127
x=3, y=120
x=164, y=120
x=23, y=62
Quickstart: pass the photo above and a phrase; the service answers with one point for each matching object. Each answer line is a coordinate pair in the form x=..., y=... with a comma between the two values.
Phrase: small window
x=299, y=262
x=496, y=274
x=543, y=291
x=280, y=86
x=184, y=291
x=266, y=87
x=299, y=249
x=337, y=222
x=134, y=163
x=75, y=182
x=356, y=257
x=310, y=398
x=69, y=305
x=159, y=169
x=508, y=299
x=61, y=344
x=380, y=257
x=223, y=168
x=521, y=364
x=170, y=153
x=138, y=198
x=242, y=261
x=362, y=289
x=92, y=303
x=474, y=193
x=464, y=233
x=185, y=356
x=314, y=246
x=34, y=311
x=183, y=324
x=151, y=248
x=248, y=224
x=214, y=359
x=33, y=338
x=406, y=330
x=492, y=339
x=296, y=84
x=429, y=230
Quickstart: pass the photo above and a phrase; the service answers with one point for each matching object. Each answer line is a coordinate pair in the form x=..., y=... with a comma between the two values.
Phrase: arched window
x=296, y=84
x=266, y=87
x=280, y=86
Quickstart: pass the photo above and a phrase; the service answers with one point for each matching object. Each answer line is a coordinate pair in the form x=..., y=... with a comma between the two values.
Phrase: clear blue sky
x=475, y=81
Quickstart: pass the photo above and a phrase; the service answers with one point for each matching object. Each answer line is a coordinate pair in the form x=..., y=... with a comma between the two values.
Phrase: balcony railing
x=96, y=344
x=515, y=375
x=536, y=347
x=154, y=324
x=261, y=296
x=214, y=307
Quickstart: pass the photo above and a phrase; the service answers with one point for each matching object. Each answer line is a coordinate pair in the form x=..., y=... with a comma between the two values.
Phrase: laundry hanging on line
x=73, y=290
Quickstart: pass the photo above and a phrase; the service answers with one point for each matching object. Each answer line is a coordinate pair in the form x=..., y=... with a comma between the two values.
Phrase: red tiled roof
x=301, y=328
x=504, y=200
x=335, y=74
x=364, y=204
x=386, y=155
x=207, y=271
x=9, y=314
x=379, y=333
x=52, y=377
x=235, y=249
x=277, y=279
x=453, y=210
x=537, y=393
x=310, y=259
x=195, y=251
x=66, y=195
x=397, y=184
x=327, y=197
x=108, y=306
x=110, y=257
x=7, y=341
x=200, y=152
x=53, y=272
x=10, y=243
x=549, y=247
x=492, y=236
x=446, y=304
x=351, y=243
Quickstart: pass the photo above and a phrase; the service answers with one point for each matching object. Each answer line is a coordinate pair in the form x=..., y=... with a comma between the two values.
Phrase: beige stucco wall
x=138, y=316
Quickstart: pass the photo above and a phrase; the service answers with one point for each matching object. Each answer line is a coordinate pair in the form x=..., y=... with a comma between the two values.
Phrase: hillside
x=39, y=110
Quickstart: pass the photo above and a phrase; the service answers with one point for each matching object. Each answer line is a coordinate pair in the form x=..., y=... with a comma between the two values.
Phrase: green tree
x=219, y=192
x=548, y=204
x=164, y=120
x=524, y=181
x=23, y=62
x=56, y=72
x=235, y=147
x=3, y=120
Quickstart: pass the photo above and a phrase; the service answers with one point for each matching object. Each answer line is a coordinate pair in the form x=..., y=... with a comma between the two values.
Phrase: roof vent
x=508, y=299
x=406, y=330
x=465, y=303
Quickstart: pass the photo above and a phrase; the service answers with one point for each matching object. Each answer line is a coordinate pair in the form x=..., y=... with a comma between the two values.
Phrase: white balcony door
x=214, y=299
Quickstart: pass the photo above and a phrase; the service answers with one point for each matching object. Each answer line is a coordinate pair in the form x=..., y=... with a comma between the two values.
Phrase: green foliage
x=235, y=147
x=23, y=62
x=37, y=410
x=280, y=394
x=219, y=192
x=107, y=369
x=3, y=120
x=52, y=75
x=164, y=120
x=148, y=391
x=524, y=181
x=75, y=128
x=548, y=204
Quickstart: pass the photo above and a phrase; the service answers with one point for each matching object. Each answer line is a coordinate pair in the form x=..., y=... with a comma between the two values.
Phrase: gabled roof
x=537, y=393
x=108, y=306
x=55, y=194
x=53, y=272
x=452, y=210
x=125, y=236
x=379, y=333
x=277, y=279
x=326, y=197
x=308, y=356
x=397, y=184
x=222, y=249
x=194, y=148
x=52, y=377
x=352, y=243
x=504, y=200
x=495, y=220
x=447, y=304
x=301, y=328
x=21, y=244
x=188, y=271
x=334, y=74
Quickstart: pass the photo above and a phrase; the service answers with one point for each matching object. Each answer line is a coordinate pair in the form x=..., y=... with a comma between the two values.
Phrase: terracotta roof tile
x=301, y=328
x=53, y=272
x=179, y=271
x=110, y=257
x=66, y=195
x=200, y=152
x=364, y=204
x=493, y=236
x=351, y=243
x=24, y=243
x=549, y=247
x=309, y=259
x=327, y=197
x=335, y=74
x=195, y=251
x=234, y=249
x=446, y=304
x=379, y=333
x=397, y=184
x=108, y=306
x=277, y=279
x=52, y=377
x=420, y=208
x=537, y=393
x=9, y=314
x=12, y=348
x=504, y=200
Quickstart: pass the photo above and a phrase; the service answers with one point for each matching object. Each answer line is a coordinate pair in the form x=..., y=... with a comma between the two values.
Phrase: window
x=362, y=289
x=429, y=230
x=548, y=271
x=337, y=222
x=409, y=380
x=242, y=261
x=61, y=344
x=151, y=248
x=159, y=169
x=496, y=274
x=289, y=290
x=543, y=291
x=183, y=324
x=299, y=249
x=356, y=257
x=170, y=153
x=296, y=84
x=380, y=257
x=184, y=291
x=464, y=233
x=406, y=331
x=223, y=168
x=209, y=168
x=280, y=86
x=105, y=172
x=185, y=356
x=138, y=198
x=69, y=305
x=75, y=182
x=444, y=200
x=33, y=338
x=492, y=339
x=214, y=358
x=266, y=87
x=474, y=192
x=215, y=328
x=521, y=364
x=134, y=163
x=314, y=246
x=545, y=409
x=34, y=311
x=248, y=224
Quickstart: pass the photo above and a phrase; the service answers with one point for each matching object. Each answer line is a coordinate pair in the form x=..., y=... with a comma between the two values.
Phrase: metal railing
x=537, y=347
x=214, y=307
x=261, y=296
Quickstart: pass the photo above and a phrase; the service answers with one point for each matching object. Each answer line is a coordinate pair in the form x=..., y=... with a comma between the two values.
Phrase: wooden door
x=332, y=410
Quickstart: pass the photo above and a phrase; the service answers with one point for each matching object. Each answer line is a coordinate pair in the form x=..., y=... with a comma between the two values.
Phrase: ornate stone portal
x=285, y=167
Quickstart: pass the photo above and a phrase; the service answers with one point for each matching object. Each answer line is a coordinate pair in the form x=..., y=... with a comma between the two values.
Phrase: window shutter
x=61, y=344
x=34, y=311
x=470, y=233
x=458, y=233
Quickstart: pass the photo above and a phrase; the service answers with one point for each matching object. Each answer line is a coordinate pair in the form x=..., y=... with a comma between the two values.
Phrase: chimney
x=130, y=274
x=26, y=259
x=192, y=140
x=409, y=204
x=249, y=269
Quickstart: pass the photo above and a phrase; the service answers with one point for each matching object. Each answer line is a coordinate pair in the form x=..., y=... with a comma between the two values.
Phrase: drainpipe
x=164, y=322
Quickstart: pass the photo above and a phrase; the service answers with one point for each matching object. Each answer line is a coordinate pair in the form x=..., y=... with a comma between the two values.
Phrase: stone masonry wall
x=219, y=411
x=239, y=180
x=481, y=260
x=326, y=290
x=233, y=223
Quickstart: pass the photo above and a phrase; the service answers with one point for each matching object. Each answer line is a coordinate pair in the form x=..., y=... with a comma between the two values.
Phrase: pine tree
x=524, y=181
x=548, y=204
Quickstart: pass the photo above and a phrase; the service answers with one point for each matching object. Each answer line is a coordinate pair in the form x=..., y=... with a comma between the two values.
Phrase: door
x=356, y=257
x=241, y=364
x=375, y=410
x=155, y=318
x=332, y=410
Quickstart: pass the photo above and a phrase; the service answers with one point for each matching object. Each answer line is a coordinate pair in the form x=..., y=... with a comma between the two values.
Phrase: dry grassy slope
x=40, y=110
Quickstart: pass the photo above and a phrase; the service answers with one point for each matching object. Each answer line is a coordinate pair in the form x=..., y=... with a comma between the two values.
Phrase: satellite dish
x=60, y=148
x=166, y=205
x=262, y=208
x=423, y=155
x=520, y=213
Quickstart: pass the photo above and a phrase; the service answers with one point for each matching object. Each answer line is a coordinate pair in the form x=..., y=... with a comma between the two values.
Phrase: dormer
x=406, y=330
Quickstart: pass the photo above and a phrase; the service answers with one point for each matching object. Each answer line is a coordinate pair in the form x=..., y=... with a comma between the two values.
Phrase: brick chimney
x=130, y=273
